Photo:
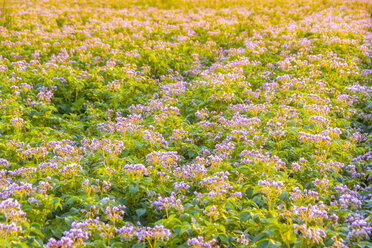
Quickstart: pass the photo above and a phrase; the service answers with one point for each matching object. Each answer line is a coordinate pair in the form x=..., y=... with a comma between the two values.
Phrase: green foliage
x=185, y=123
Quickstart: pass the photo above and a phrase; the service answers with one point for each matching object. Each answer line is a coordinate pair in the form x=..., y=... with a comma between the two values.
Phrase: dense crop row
x=213, y=124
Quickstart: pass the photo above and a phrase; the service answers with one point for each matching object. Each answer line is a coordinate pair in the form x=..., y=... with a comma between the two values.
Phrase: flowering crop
x=185, y=123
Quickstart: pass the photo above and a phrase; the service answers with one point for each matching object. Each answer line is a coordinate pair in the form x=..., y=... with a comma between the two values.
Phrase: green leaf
x=133, y=189
x=268, y=243
x=57, y=204
x=244, y=216
x=140, y=212
x=4, y=243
